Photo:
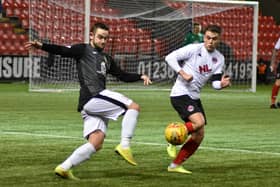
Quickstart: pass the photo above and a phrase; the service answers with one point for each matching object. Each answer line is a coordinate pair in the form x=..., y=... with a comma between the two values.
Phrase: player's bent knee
x=134, y=106
x=97, y=148
x=277, y=82
x=198, y=136
x=198, y=125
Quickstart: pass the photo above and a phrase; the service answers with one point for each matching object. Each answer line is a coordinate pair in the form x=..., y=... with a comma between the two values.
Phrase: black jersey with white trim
x=93, y=66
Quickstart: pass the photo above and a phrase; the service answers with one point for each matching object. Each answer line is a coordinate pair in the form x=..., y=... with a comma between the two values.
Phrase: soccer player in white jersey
x=200, y=63
x=275, y=68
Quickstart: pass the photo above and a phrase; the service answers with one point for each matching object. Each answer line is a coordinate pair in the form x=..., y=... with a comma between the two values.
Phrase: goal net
x=142, y=33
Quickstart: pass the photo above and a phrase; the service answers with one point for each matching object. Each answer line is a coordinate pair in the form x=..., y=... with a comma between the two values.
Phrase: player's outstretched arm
x=146, y=79
x=33, y=44
x=74, y=51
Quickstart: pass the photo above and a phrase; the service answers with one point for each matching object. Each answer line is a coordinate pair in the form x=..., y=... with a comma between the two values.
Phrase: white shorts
x=93, y=123
x=97, y=111
x=107, y=104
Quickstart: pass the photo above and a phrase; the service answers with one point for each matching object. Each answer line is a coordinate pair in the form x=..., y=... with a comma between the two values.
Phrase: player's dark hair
x=214, y=28
x=99, y=26
x=196, y=24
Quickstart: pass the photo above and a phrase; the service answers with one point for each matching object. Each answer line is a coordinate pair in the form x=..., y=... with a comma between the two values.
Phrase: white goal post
x=142, y=33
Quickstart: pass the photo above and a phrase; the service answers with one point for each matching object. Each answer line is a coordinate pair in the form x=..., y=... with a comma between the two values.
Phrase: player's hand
x=146, y=79
x=33, y=44
x=187, y=77
x=225, y=81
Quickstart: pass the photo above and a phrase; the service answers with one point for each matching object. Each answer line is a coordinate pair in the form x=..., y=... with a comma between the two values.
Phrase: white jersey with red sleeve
x=198, y=62
x=277, y=45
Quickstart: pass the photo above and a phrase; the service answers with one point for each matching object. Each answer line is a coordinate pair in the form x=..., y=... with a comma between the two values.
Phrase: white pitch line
x=142, y=143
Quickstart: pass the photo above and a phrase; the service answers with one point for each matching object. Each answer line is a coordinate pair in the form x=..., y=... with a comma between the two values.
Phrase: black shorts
x=186, y=106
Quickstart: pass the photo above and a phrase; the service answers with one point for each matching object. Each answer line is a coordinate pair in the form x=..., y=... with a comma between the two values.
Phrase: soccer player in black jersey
x=96, y=103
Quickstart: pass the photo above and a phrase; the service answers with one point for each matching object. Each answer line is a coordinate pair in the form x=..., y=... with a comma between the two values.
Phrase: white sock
x=81, y=154
x=172, y=165
x=128, y=126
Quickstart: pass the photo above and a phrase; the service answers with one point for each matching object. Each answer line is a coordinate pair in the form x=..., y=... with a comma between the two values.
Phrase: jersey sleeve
x=216, y=77
x=218, y=73
x=116, y=71
x=174, y=58
x=74, y=51
x=277, y=45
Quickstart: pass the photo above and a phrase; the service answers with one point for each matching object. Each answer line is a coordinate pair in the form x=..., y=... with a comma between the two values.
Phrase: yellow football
x=176, y=133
